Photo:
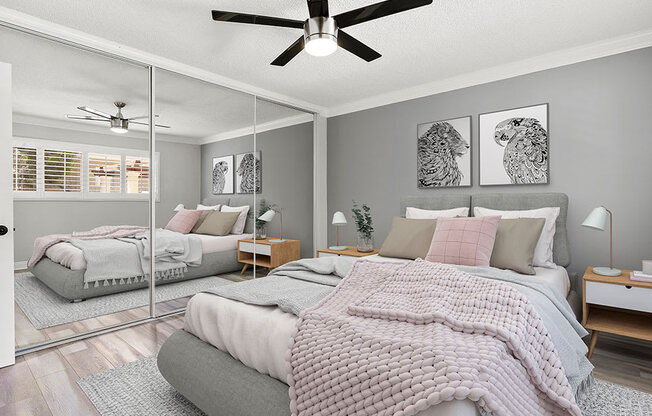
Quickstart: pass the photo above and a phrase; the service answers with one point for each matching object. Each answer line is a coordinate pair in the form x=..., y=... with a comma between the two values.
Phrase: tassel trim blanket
x=395, y=339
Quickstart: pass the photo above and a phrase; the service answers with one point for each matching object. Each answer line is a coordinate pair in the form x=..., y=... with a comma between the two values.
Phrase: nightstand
x=349, y=252
x=268, y=254
x=617, y=305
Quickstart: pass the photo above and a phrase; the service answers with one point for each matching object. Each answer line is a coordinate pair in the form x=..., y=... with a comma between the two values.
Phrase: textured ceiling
x=437, y=42
x=51, y=80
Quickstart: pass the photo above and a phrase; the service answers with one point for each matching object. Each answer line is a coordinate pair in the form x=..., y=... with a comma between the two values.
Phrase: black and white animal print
x=437, y=153
x=247, y=175
x=526, y=149
x=219, y=177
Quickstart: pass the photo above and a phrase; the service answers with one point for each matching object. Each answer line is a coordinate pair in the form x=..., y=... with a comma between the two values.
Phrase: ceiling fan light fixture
x=119, y=125
x=320, y=36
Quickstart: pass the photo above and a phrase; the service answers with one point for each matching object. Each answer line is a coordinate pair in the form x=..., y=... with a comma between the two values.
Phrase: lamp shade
x=179, y=207
x=597, y=219
x=339, y=218
x=268, y=216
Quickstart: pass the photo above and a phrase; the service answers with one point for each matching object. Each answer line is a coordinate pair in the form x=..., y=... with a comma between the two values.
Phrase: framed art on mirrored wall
x=222, y=175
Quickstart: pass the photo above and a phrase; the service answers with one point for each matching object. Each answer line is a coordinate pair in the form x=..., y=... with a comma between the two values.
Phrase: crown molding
x=22, y=21
x=260, y=128
x=551, y=60
x=95, y=129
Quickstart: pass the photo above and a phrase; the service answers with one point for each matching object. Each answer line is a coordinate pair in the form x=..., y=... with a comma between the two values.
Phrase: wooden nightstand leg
x=594, y=339
x=244, y=269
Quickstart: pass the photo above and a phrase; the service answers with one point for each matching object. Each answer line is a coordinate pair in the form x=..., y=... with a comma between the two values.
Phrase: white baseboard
x=20, y=265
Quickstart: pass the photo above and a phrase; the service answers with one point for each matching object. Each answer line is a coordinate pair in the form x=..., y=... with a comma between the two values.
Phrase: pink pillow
x=183, y=221
x=463, y=241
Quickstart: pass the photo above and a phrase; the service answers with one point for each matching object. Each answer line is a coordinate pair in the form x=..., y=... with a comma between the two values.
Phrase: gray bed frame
x=69, y=284
x=222, y=386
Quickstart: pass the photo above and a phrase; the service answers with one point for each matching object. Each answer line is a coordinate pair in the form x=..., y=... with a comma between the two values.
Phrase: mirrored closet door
x=206, y=203
x=284, y=193
x=81, y=185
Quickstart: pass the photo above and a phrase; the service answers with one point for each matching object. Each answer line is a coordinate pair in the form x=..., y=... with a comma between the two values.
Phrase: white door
x=7, y=350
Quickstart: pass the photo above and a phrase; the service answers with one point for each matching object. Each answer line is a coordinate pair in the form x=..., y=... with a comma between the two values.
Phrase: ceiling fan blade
x=96, y=112
x=147, y=124
x=74, y=117
x=378, y=10
x=220, y=16
x=140, y=117
x=318, y=8
x=351, y=44
x=290, y=53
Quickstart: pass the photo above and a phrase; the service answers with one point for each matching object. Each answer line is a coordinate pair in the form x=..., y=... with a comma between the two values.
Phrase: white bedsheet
x=71, y=257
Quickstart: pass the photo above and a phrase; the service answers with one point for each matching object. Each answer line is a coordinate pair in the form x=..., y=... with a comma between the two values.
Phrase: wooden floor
x=27, y=334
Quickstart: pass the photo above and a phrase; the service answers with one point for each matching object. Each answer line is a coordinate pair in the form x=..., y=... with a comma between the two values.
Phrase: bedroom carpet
x=138, y=388
x=45, y=309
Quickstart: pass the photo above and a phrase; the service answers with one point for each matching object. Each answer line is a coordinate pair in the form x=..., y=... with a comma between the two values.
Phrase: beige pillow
x=516, y=240
x=409, y=238
x=218, y=223
x=204, y=213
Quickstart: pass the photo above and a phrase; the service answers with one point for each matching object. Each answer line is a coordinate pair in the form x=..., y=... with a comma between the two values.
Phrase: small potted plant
x=363, y=222
x=261, y=225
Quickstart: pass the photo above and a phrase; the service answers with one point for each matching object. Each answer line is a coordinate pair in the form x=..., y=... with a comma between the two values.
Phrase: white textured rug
x=138, y=388
x=44, y=308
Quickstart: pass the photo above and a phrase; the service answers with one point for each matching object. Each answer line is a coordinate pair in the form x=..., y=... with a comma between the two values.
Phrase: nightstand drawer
x=619, y=296
x=264, y=249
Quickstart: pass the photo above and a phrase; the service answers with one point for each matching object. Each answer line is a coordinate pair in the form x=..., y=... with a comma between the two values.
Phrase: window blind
x=104, y=173
x=62, y=171
x=24, y=169
x=137, y=174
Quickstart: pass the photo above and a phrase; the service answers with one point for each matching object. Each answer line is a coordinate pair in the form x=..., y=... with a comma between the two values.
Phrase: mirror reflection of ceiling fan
x=323, y=33
x=119, y=123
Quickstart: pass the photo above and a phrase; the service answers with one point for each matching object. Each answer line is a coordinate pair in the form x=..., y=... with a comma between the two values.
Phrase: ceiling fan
x=119, y=124
x=322, y=34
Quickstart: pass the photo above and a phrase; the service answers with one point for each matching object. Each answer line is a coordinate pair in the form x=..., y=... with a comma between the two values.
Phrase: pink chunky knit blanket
x=395, y=339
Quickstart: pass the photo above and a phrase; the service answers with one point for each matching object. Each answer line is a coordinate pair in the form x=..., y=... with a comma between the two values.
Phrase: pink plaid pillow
x=183, y=221
x=463, y=241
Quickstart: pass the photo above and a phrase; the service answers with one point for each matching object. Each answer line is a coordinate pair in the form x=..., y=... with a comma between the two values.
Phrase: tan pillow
x=218, y=223
x=409, y=238
x=202, y=217
x=515, y=242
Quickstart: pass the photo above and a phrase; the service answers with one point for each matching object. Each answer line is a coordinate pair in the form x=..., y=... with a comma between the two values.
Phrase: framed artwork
x=248, y=171
x=514, y=146
x=444, y=153
x=223, y=175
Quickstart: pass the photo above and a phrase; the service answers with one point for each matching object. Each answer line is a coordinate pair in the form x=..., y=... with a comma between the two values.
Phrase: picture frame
x=514, y=146
x=222, y=175
x=248, y=170
x=444, y=150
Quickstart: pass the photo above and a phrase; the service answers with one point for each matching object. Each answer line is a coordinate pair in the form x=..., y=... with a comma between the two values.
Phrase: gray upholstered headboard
x=235, y=201
x=511, y=201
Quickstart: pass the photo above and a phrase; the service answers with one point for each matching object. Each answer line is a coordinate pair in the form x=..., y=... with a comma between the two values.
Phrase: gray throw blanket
x=301, y=284
x=126, y=260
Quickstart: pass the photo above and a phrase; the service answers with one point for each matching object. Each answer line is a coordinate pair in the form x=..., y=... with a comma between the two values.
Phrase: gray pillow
x=409, y=238
x=201, y=219
x=218, y=223
x=515, y=242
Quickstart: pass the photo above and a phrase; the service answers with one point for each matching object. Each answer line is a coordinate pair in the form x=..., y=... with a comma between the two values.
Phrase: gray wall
x=600, y=144
x=287, y=176
x=179, y=184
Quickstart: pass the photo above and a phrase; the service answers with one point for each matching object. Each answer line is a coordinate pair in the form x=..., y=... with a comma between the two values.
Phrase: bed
x=227, y=346
x=63, y=266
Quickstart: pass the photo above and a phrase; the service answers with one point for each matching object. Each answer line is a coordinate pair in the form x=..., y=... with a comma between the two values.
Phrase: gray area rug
x=138, y=388
x=44, y=308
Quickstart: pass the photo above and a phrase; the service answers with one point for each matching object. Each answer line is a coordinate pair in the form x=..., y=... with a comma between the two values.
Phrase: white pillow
x=201, y=207
x=429, y=214
x=238, y=227
x=543, y=250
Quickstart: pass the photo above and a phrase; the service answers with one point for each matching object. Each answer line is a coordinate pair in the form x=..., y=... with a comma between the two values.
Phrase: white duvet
x=71, y=257
x=258, y=335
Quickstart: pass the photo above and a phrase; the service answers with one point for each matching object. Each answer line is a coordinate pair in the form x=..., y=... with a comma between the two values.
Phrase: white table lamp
x=338, y=220
x=598, y=219
x=179, y=208
x=268, y=217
